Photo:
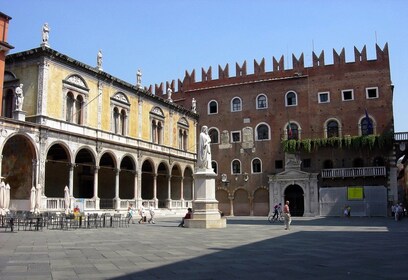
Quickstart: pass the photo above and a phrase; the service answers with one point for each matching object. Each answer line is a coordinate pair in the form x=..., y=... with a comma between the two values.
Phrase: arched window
x=212, y=107
x=123, y=118
x=332, y=129
x=236, y=167
x=79, y=104
x=70, y=107
x=262, y=132
x=292, y=131
x=116, y=122
x=261, y=102
x=291, y=98
x=183, y=133
x=256, y=165
x=366, y=126
x=236, y=104
x=214, y=135
x=157, y=124
x=76, y=92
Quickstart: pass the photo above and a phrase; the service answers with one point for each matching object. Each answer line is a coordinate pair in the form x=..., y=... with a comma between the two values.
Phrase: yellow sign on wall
x=355, y=193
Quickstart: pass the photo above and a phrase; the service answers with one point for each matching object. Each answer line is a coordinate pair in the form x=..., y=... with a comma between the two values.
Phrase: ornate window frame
x=74, y=85
x=120, y=109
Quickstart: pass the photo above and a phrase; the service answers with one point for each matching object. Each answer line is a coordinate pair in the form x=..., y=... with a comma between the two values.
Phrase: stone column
x=231, y=199
x=95, y=197
x=169, y=191
x=117, y=199
x=156, y=201
x=71, y=180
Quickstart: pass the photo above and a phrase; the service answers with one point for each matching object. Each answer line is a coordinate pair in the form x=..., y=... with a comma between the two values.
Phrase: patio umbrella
x=2, y=194
x=32, y=199
x=66, y=200
x=7, y=198
x=38, y=198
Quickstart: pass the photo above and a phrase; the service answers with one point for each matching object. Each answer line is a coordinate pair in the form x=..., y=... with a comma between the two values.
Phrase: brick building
x=317, y=136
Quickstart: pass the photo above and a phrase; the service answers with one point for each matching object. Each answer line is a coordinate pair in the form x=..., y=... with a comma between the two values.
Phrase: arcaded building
x=318, y=136
x=65, y=123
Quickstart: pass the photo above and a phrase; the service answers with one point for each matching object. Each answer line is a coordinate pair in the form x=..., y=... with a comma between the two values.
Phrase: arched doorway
x=148, y=174
x=261, y=202
x=107, y=181
x=295, y=195
x=241, y=203
x=223, y=201
x=163, y=194
x=127, y=178
x=57, y=169
x=83, y=186
x=18, y=167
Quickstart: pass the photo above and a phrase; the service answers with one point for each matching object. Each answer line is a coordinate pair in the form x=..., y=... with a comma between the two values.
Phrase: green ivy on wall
x=348, y=142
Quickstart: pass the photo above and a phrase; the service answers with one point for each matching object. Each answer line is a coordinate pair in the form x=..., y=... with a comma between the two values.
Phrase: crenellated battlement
x=278, y=70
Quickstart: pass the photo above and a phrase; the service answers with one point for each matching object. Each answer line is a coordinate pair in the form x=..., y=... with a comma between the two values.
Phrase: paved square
x=249, y=248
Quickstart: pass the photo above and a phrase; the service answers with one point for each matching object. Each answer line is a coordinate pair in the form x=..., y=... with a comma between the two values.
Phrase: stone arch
x=127, y=177
x=19, y=155
x=83, y=183
x=107, y=179
x=261, y=202
x=175, y=181
x=224, y=205
x=241, y=202
x=188, y=184
x=57, y=169
x=163, y=185
x=148, y=175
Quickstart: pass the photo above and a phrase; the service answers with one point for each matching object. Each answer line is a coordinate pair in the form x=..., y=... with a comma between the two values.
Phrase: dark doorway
x=295, y=195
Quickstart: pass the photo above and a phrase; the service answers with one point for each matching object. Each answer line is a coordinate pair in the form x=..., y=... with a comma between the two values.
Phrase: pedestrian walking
x=142, y=213
x=130, y=214
x=151, y=212
x=286, y=215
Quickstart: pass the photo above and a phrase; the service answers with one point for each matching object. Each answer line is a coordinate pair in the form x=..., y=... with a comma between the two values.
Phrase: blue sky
x=164, y=38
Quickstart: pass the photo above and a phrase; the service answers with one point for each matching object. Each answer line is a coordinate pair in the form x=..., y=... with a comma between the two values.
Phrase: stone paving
x=249, y=248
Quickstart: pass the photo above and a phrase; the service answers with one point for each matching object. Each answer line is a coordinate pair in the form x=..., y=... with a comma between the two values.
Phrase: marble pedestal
x=19, y=115
x=205, y=206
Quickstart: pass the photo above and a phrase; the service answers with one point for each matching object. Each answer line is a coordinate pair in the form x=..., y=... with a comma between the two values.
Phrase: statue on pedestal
x=204, y=153
x=45, y=34
x=139, y=78
x=19, y=98
x=99, y=60
x=169, y=93
x=194, y=105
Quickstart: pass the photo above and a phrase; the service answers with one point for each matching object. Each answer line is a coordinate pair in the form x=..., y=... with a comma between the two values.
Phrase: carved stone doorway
x=295, y=195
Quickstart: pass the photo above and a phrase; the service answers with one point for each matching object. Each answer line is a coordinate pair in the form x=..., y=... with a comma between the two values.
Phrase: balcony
x=354, y=172
x=401, y=136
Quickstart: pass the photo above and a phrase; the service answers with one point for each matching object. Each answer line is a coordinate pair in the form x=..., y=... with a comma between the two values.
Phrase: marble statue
x=99, y=60
x=194, y=105
x=139, y=78
x=169, y=93
x=204, y=153
x=45, y=33
x=19, y=98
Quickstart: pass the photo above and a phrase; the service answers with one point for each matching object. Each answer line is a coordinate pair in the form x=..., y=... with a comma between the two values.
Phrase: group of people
x=142, y=211
x=398, y=211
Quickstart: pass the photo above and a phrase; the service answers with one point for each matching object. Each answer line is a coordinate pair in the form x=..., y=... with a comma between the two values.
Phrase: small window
x=347, y=94
x=278, y=164
x=324, y=97
x=236, y=105
x=256, y=166
x=292, y=131
x=262, y=132
x=236, y=167
x=332, y=129
x=213, y=135
x=261, y=102
x=372, y=92
x=291, y=99
x=236, y=136
x=212, y=107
